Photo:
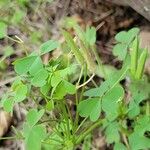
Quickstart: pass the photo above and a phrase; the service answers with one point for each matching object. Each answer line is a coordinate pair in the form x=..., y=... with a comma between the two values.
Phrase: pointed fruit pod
x=134, y=56
x=141, y=64
x=73, y=47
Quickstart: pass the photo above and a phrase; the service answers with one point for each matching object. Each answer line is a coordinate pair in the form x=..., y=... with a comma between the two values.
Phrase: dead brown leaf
x=5, y=122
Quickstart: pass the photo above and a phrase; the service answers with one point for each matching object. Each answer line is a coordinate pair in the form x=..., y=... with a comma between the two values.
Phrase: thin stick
x=86, y=81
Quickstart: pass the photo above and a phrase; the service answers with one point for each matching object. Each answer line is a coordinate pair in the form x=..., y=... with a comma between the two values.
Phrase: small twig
x=125, y=141
x=86, y=82
x=100, y=25
x=81, y=124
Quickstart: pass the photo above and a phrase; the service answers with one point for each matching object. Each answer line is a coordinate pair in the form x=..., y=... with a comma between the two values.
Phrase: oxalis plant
x=67, y=109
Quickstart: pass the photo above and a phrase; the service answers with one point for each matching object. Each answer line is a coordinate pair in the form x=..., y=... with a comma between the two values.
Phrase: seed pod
x=141, y=64
x=134, y=55
x=73, y=47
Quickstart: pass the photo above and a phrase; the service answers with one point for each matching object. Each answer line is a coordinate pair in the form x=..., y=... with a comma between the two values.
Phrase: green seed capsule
x=73, y=47
x=134, y=55
x=141, y=64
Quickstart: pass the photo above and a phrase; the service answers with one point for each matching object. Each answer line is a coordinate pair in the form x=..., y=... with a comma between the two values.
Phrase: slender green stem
x=66, y=118
x=89, y=130
x=148, y=108
x=52, y=139
x=81, y=95
x=77, y=115
x=80, y=76
x=70, y=115
x=81, y=124
x=99, y=61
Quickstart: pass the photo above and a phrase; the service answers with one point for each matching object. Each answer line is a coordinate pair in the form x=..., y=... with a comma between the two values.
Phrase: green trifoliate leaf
x=34, y=136
x=90, y=108
x=39, y=78
x=121, y=37
x=142, y=125
x=20, y=93
x=110, y=102
x=140, y=91
x=20, y=90
x=56, y=79
x=48, y=46
x=108, y=84
x=34, y=116
x=69, y=87
x=137, y=140
x=45, y=89
x=134, y=109
x=64, y=88
x=133, y=33
x=50, y=105
x=60, y=91
x=120, y=50
x=3, y=30
x=30, y=64
x=127, y=37
x=124, y=40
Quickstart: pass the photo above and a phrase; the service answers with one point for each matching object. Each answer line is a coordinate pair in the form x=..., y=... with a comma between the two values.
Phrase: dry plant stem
x=81, y=124
x=86, y=82
x=125, y=141
x=89, y=130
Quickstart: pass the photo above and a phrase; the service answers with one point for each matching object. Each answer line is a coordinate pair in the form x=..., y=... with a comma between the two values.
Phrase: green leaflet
x=48, y=46
x=107, y=85
x=64, y=88
x=30, y=64
x=34, y=116
x=119, y=146
x=140, y=91
x=110, y=102
x=124, y=40
x=90, y=108
x=39, y=78
x=34, y=136
x=137, y=140
x=112, y=133
x=90, y=35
